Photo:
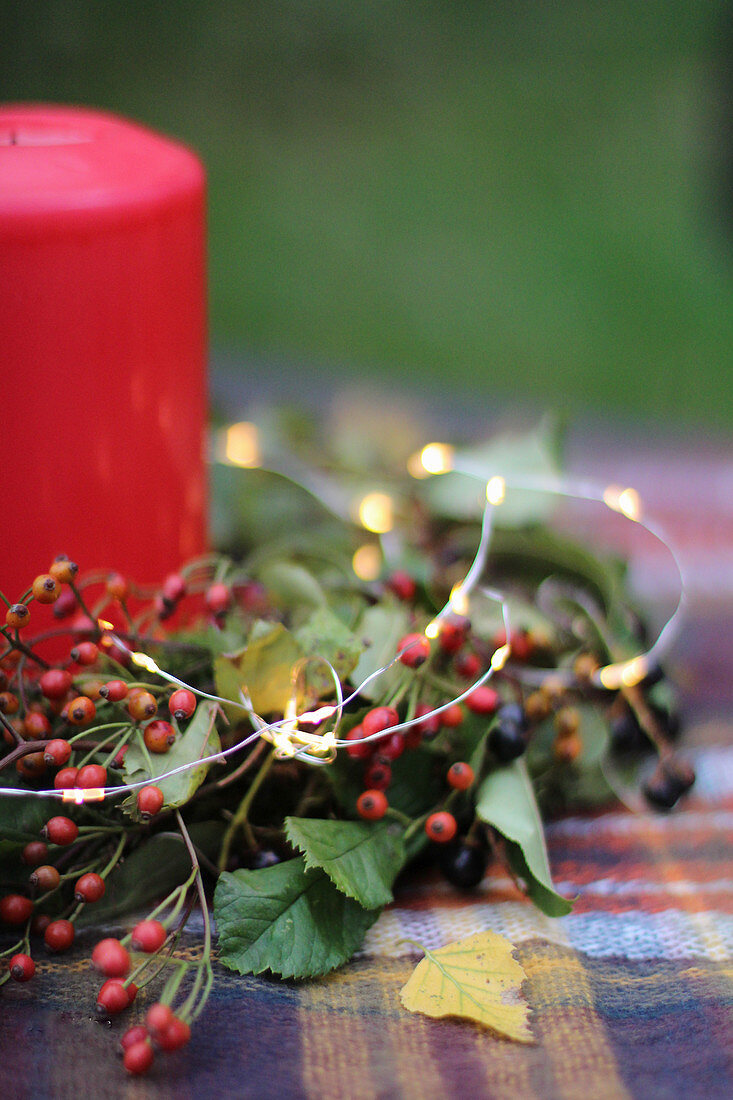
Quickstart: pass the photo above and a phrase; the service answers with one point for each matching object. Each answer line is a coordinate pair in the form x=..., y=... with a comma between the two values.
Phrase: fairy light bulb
x=435, y=458
x=242, y=445
x=144, y=661
x=626, y=501
x=500, y=657
x=496, y=490
x=432, y=630
x=459, y=600
x=376, y=513
x=367, y=562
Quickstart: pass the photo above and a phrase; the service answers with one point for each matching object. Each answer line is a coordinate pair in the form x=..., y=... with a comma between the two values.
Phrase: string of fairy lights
x=312, y=735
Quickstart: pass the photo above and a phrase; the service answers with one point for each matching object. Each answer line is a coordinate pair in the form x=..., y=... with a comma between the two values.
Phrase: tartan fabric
x=631, y=994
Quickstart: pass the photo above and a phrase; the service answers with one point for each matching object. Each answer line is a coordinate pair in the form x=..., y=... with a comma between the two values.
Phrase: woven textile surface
x=631, y=995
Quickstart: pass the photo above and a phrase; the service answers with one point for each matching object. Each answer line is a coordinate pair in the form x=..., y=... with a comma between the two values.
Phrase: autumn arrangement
x=276, y=737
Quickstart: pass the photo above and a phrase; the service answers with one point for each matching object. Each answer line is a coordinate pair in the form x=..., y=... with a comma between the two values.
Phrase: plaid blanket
x=631, y=994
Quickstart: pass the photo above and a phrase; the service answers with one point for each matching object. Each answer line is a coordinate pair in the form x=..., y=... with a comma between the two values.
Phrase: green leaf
x=200, y=741
x=263, y=668
x=288, y=920
x=289, y=585
x=325, y=635
x=506, y=801
x=362, y=860
x=21, y=819
x=379, y=630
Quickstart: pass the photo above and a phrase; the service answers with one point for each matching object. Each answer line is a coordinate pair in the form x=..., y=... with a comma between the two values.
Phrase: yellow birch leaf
x=477, y=979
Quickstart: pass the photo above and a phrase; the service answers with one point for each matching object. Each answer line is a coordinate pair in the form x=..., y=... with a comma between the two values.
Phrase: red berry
x=117, y=587
x=15, y=909
x=159, y=735
x=460, y=775
x=111, y=958
x=360, y=749
x=119, y=757
x=428, y=727
x=91, y=775
x=22, y=968
x=378, y=719
x=391, y=747
x=112, y=998
x=17, y=616
x=61, y=830
x=452, y=717
x=218, y=598
x=372, y=805
x=441, y=827
x=84, y=653
x=402, y=584
x=55, y=683
x=45, y=877
x=378, y=775
x=176, y=1035
x=149, y=801
x=57, y=752
x=182, y=704
x=65, y=605
x=34, y=853
x=9, y=703
x=59, y=935
x=39, y=924
x=114, y=690
x=148, y=936
x=63, y=570
x=45, y=588
x=482, y=700
x=31, y=765
x=174, y=587
x=416, y=649
x=467, y=665
x=158, y=1017
x=90, y=887
x=81, y=711
x=138, y=1058
x=138, y=1033
x=65, y=779
x=36, y=726
x=141, y=705
x=452, y=634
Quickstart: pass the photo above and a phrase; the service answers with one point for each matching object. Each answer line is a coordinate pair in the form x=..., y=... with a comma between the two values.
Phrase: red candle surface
x=102, y=346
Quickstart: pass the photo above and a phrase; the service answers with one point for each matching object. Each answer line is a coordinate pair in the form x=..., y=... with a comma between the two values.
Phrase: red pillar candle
x=102, y=346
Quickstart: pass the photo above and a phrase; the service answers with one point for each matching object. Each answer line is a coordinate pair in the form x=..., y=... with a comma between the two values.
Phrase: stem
x=188, y=1004
x=240, y=818
x=17, y=644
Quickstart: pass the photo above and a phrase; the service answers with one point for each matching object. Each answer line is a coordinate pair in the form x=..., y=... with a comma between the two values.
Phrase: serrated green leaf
x=199, y=741
x=288, y=920
x=362, y=860
x=506, y=801
x=263, y=668
x=379, y=630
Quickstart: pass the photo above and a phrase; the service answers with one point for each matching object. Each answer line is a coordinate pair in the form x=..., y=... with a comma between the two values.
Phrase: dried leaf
x=476, y=979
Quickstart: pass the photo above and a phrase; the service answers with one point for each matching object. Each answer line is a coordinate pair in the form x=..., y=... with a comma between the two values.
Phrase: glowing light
x=104, y=624
x=459, y=600
x=319, y=715
x=624, y=673
x=144, y=661
x=500, y=657
x=437, y=458
x=242, y=445
x=432, y=630
x=83, y=794
x=376, y=513
x=496, y=490
x=626, y=501
x=367, y=562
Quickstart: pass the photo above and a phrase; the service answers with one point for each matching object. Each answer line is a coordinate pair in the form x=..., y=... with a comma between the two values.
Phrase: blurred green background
x=529, y=201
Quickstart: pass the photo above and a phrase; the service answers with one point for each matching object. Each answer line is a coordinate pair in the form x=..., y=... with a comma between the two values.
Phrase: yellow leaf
x=477, y=979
